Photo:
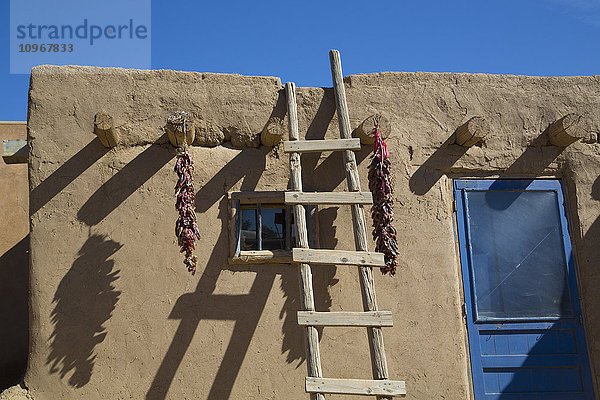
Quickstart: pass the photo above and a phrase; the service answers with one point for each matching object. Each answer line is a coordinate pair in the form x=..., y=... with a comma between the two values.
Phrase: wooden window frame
x=257, y=199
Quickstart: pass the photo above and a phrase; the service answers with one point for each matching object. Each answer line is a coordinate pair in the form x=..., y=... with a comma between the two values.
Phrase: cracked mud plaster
x=226, y=337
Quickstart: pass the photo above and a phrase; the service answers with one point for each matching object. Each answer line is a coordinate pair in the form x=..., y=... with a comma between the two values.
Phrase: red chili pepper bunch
x=381, y=184
x=186, y=228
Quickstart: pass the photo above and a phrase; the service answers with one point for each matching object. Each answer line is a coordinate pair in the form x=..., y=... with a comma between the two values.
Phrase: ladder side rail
x=375, y=334
x=313, y=356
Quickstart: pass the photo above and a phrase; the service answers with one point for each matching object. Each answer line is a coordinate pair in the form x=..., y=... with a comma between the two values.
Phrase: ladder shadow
x=313, y=175
x=324, y=175
x=204, y=305
x=330, y=173
x=323, y=280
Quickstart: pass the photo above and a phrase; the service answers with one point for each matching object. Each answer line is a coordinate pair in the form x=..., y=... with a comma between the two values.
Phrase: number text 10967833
x=46, y=48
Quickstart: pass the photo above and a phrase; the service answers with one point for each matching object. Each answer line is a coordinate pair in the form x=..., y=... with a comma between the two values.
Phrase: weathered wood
x=331, y=198
x=307, y=299
x=566, y=130
x=472, y=132
x=340, y=94
x=338, y=257
x=344, y=318
x=365, y=129
x=375, y=335
x=15, y=151
x=273, y=197
x=288, y=228
x=356, y=386
x=262, y=257
x=180, y=129
x=104, y=128
x=295, y=166
x=234, y=227
x=314, y=146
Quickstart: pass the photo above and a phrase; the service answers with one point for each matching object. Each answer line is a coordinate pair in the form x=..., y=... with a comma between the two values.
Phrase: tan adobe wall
x=14, y=262
x=114, y=314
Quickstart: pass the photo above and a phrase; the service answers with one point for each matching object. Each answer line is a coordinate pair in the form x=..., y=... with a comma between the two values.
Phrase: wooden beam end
x=472, y=132
x=180, y=129
x=104, y=128
x=567, y=130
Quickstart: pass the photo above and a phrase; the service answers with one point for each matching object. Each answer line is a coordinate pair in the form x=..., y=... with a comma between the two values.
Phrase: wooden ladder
x=371, y=318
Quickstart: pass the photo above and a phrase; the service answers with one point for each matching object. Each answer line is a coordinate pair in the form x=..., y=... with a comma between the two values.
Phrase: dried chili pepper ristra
x=381, y=185
x=186, y=228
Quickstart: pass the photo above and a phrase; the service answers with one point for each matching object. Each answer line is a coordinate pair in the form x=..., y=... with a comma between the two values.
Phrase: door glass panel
x=517, y=255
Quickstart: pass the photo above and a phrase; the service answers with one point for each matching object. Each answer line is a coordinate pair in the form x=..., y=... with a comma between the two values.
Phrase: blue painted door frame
x=543, y=354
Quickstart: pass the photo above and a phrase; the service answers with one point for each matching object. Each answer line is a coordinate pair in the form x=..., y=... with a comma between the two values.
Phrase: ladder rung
x=313, y=146
x=344, y=318
x=337, y=257
x=355, y=386
x=328, y=198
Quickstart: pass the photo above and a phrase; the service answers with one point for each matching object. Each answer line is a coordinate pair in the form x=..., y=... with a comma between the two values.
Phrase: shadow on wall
x=589, y=252
x=430, y=172
x=14, y=315
x=125, y=182
x=596, y=189
x=327, y=175
x=538, y=155
x=86, y=296
x=323, y=280
x=246, y=309
x=65, y=174
x=84, y=301
x=202, y=304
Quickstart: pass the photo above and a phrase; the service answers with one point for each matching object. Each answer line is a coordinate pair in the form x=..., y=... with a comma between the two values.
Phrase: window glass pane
x=517, y=254
x=248, y=235
x=293, y=228
x=273, y=228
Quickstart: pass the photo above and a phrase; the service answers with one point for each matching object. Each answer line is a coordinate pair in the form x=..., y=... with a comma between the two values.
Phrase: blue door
x=526, y=335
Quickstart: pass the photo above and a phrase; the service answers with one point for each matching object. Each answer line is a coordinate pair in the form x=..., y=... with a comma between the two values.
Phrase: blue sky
x=291, y=39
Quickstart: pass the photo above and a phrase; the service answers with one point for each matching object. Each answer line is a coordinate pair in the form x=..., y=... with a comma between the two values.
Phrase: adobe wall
x=14, y=262
x=114, y=313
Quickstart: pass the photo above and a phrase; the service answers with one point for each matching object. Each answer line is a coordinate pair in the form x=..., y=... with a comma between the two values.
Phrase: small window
x=266, y=227
x=262, y=227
